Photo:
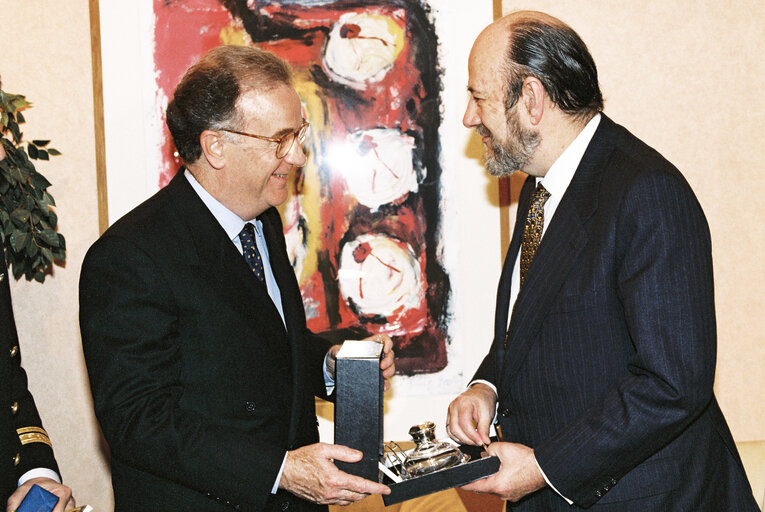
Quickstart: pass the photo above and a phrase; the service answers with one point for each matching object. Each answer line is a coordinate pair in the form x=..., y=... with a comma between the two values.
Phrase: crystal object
x=430, y=455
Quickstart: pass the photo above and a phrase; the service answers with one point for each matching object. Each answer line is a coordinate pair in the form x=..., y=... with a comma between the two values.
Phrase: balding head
x=530, y=43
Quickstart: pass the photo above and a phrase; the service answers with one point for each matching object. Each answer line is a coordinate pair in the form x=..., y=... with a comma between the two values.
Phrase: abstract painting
x=364, y=218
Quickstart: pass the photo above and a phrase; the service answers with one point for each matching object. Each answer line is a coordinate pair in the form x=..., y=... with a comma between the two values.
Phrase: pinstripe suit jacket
x=610, y=359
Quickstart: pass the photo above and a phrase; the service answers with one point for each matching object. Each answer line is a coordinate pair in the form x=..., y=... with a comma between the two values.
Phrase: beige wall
x=687, y=77
x=45, y=55
x=668, y=73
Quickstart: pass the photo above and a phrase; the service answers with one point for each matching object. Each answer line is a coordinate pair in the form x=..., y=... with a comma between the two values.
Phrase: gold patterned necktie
x=532, y=232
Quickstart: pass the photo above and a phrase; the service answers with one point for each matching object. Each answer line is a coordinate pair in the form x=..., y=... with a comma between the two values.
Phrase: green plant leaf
x=49, y=199
x=39, y=181
x=50, y=237
x=47, y=255
x=54, y=152
x=20, y=215
x=20, y=118
x=14, y=128
x=19, y=240
x=43, y=155
x=18, y=101
x=32, y=248
x=40, y=143
x=32, y=150
x=17, y=269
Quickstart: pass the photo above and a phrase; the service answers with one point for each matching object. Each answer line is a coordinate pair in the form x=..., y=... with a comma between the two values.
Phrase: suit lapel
x=565, y=238
x=292, y=306
x=216, y=254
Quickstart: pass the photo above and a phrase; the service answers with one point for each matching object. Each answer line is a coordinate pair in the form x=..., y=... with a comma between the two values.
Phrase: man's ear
x=533, y=96
x=213, y=148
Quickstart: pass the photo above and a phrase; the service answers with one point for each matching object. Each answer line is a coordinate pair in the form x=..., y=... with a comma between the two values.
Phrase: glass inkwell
x=428, y=456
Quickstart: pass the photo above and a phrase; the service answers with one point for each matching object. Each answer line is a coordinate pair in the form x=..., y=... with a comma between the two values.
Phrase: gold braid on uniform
x=33, y=435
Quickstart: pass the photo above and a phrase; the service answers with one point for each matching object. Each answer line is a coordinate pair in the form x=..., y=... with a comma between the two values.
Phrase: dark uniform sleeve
x=25, y=444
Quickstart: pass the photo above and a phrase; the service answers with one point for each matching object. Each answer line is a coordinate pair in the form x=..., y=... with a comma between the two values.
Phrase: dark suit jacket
x=198, y=387
x=17, y=410
x=610, y=359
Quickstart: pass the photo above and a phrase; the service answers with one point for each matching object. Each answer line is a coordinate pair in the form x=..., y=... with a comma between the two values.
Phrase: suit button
x=285, y=505
x=14, y=351
x=613, y=482
x=598, y=494
x=14, y=408
x=17, y=459
x=504, y=413
x=250, y=406
x=2, y=277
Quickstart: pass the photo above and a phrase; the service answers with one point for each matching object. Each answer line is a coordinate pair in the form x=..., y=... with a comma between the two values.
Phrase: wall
x=680, y=83
x=45, y=55
x=686, y=77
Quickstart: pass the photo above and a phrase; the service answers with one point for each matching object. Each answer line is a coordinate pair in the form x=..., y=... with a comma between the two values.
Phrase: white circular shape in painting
x=361, y=49
x=378, y=166
x=380, y=275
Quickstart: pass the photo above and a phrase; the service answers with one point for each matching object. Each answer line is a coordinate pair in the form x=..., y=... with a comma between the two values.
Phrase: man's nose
x=296, y=154
x=471, y=119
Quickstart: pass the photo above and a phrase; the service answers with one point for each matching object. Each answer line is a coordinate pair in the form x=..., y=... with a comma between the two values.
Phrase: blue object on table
x=38, y=500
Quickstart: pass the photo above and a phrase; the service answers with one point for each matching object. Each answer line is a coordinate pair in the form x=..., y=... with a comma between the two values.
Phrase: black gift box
x=359, y=424
x=359, y=405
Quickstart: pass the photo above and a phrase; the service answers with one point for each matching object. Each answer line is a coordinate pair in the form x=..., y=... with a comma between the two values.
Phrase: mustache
x=483, y=131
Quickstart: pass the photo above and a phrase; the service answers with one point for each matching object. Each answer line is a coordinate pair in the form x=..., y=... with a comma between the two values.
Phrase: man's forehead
x=277, y=106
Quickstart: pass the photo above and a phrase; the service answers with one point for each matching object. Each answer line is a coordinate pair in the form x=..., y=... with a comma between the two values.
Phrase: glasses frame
x=285, y=142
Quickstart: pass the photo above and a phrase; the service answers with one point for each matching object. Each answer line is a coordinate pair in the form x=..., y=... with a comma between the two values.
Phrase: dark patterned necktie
x=250, y=251
x=532, y=232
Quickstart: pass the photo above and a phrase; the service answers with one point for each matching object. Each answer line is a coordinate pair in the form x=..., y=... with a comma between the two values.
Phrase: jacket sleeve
x=31, y=445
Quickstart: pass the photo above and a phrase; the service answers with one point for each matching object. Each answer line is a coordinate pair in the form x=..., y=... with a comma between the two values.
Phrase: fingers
x=65, y=498
x=469, y=416
x=363, y=486
x=310, y=472
x=387, y=363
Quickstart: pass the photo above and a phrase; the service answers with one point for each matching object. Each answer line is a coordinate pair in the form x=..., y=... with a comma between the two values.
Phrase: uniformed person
x=26, y=454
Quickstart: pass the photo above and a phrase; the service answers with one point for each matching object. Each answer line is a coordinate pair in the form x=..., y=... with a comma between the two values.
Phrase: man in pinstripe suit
x=601, y=370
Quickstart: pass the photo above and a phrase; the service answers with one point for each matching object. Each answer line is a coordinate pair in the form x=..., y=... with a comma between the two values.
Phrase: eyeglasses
x=284, y=143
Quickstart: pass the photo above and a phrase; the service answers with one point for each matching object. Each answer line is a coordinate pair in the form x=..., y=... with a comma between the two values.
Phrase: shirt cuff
x=279, y=475
x=329, y=382
x=550, y=483
x=39, y=473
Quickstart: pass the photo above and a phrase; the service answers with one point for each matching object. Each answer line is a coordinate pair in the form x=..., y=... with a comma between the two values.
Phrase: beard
x=504, y=159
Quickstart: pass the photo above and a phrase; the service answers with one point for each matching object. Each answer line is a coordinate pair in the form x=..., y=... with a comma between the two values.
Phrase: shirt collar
x=562, y=170
x=231, y=223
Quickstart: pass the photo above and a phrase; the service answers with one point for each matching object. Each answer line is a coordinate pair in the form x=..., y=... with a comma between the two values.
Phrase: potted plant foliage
x=27, y=220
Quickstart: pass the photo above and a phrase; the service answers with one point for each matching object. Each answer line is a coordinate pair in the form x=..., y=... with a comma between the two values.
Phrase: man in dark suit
x=26, y=453
x=202, y=369
x=601, y=382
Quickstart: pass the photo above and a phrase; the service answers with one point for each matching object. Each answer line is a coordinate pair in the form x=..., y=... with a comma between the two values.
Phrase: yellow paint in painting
x=234, y=35
x=310, y=199
x=397, y=32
